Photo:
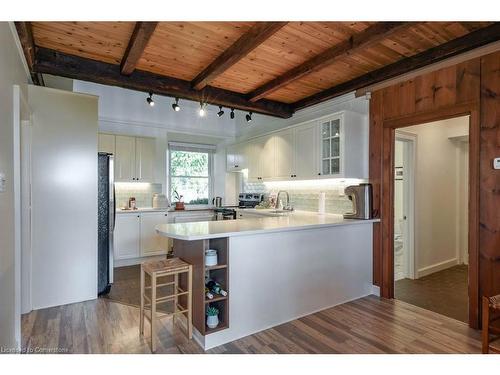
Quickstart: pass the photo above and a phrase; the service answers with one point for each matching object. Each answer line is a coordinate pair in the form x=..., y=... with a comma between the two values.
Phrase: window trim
x=208, y=149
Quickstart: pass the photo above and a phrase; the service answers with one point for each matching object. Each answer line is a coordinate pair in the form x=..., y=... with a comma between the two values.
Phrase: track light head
x=232, y=114
x=150, y=100
x=249, y=117
x=221, y=112
x=202, y=110
x=176, y=106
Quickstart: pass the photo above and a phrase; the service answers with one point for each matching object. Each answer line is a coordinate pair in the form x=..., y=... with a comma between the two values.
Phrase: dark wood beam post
x=61, y=64
x=365, y=39
x=25, y=33
x=239, y=49
x=138, y=42
x=454, y=47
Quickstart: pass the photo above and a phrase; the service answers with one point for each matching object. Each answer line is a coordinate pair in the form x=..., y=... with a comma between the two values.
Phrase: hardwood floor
x=444, y=292
x=366, y=325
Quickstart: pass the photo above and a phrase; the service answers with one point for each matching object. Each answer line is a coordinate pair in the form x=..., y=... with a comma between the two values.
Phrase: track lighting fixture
x=232, y=114
x=202, y=110
x=150, y=100
x=176, y=106
x=221, y=112
x=249, y=117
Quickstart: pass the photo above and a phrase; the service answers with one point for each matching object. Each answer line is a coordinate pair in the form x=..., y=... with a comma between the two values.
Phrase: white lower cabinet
x=151, y=242
x=127, y=236
x=135, y=235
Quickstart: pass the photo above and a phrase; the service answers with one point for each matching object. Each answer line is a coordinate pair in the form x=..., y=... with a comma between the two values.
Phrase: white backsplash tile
x=306, y=198
x=142, y=192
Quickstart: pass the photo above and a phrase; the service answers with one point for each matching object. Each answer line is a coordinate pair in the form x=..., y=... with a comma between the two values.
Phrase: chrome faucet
x=286, y=207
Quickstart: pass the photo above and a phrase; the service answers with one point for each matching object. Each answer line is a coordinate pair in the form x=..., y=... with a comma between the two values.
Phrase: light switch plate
x=496, y=163
x=2, y=182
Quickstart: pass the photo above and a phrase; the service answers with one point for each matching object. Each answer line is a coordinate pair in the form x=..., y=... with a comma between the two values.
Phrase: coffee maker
x=361, y=196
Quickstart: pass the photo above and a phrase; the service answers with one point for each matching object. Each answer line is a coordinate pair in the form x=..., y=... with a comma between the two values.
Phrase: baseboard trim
x=437, y=267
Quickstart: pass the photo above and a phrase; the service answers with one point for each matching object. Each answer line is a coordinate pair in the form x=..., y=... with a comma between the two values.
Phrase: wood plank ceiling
x=273, y=68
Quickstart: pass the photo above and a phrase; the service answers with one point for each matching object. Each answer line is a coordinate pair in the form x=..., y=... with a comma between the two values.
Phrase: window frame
x=200, y=149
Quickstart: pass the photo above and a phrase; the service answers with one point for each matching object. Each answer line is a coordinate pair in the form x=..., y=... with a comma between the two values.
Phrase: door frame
x=389, y=127
x=409, y=197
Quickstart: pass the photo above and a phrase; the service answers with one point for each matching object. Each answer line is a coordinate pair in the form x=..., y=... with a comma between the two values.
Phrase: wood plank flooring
x=366, y=325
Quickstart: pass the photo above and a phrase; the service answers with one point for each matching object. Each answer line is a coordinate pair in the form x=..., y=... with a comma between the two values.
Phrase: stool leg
x=176, y=299
x=153, y=312
x=189, y=303
x=141, y=314
x=486, y=323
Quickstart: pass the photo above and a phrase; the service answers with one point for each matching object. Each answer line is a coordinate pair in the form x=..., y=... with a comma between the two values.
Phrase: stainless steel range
x=245, y=200
x=250, y=200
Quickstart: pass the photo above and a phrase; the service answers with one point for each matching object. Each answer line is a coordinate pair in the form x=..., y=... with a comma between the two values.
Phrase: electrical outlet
x=496, y=163
x=2, y=183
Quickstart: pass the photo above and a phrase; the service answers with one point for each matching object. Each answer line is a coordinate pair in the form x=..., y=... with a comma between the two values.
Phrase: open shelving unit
x=193, y=252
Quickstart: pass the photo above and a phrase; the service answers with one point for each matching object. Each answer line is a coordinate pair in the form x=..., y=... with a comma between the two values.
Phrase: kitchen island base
x=272, y=278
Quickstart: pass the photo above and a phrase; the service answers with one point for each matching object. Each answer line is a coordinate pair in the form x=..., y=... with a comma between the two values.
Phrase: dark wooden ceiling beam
x=61, y=64
x=365, y=39
x=452, y=48
x=254, y=37
x=25, y=33
x=136, y=45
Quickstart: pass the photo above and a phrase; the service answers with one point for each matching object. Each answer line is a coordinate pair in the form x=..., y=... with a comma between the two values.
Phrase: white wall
x=11, y=73
x=64, y=197
x=437, y=204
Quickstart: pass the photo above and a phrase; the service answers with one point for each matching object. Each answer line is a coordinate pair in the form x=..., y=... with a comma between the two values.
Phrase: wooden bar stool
x=171, y=268
x=491, y=314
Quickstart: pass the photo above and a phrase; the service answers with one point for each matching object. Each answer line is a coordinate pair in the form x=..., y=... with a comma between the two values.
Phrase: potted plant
x=212, y=317
x=179, y=204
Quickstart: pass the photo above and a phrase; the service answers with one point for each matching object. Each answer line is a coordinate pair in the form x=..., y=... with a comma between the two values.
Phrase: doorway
x=431, y=216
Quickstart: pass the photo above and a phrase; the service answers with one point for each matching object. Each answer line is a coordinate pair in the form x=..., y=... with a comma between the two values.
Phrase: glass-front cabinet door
x=331, y=146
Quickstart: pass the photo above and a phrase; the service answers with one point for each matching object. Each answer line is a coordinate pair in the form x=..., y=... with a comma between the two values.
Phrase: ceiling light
x=249, y=117
x=232, y=114
x=221, y=112
x=150, y=100
x=175, y=106
x=202, y=110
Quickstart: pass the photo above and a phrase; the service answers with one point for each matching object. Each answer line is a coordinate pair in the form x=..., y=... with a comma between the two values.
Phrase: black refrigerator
x=105, y=222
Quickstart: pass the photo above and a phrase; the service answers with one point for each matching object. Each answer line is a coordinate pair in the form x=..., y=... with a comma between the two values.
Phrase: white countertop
x=298, y=220
x=140, y=209
x=170, y=210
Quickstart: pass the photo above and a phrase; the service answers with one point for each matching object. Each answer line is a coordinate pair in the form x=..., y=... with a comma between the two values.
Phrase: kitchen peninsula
x=324, y=260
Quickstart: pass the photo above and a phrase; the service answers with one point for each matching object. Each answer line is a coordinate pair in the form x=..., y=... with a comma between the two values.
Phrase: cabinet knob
x=138, y=215
x=236, y=166
x=319, y=174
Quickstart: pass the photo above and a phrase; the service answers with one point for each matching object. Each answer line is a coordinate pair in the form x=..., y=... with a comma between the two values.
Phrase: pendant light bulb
x=221, y=112
x=150, y=100
x=232, y=114
x=176, y=106
x=202, y=110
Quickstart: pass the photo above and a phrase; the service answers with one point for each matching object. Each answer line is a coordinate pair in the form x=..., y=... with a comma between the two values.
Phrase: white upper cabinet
x=331, y=147
x=125, y=158
x=254, y=152
x=135, y=157
x=268, y=158
x=306, y=152
x=144, y=159
x=285, y=154
x=106, y=143
x=236, y=157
